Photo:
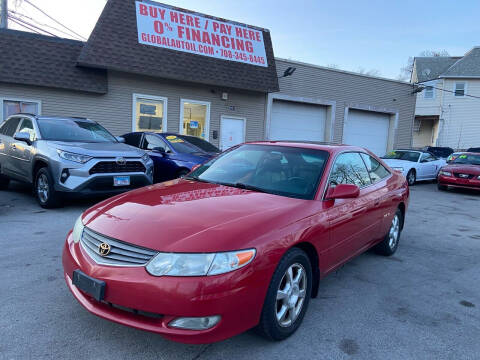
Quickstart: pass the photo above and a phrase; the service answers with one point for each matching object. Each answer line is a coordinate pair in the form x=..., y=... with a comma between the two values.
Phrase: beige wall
x=424, y=137
x=114, y=109
x=352, y=91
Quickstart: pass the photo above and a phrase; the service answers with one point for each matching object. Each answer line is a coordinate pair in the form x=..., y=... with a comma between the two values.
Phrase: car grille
x=105, y=167
x=121, y=254
x=463, y=176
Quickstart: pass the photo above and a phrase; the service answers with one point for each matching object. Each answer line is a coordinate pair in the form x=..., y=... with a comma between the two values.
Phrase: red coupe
x=240, y=242
x=462, y=172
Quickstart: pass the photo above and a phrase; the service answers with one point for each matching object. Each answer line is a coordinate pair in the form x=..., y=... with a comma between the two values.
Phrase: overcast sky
x=351, y=34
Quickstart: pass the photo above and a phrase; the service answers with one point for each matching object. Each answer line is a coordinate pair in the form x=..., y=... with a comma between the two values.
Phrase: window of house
x=349, y=168
x=429, y=92
x=195, y=118
x=460, y=89
x=11, y=107
x=150, y=113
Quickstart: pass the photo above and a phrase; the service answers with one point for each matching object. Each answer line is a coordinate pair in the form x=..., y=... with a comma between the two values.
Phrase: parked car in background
x=242, y=241
x=463, y=172
x=415, y=165
x=173, y=155
x=438, y=151
x=61, y=156
x=453, y=156
x=474, y=149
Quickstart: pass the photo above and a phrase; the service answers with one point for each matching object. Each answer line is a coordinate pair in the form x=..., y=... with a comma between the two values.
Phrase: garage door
x=367, y=129
x=297, y=121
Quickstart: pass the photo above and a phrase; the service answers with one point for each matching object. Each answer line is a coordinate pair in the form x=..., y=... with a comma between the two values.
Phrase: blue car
x=173, y=155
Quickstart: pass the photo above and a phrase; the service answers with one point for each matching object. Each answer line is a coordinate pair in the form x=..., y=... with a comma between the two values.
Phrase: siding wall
x=345, y=89
x=430, y=106
x=114, y=109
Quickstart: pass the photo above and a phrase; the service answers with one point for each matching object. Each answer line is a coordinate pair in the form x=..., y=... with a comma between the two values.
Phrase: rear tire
x=390, y=243
x=411, y=177
x=4, y=181
x=287, y=297
x=45, y=192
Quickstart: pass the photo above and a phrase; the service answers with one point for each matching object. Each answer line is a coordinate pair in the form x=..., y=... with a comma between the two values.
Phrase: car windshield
x=403, y=155
x=72, y=130
x=181, y=146
x=470, y=159
x=280, y=170
x=200, y=143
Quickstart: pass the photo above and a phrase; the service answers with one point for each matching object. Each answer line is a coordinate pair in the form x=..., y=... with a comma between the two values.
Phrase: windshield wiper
x=248, y=187
x=194, y=178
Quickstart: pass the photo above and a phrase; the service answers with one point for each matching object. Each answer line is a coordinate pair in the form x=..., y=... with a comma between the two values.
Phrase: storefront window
x=11, y=107
x=196, y=117
x=149, y=114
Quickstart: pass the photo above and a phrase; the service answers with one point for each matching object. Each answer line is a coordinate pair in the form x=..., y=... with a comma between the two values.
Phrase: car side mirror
x=342, y=191
x=120, y=139
x=23, y=136
x=159, y=150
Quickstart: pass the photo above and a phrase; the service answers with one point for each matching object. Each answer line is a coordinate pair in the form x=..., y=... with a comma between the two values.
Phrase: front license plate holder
x=121, y=180
x=89, y=285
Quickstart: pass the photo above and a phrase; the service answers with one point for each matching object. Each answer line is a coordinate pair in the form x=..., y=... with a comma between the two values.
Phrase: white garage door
x=297, y=121
x=367, y=129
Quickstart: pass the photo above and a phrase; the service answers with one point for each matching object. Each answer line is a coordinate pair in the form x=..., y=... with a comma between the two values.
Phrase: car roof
x=317, y=145
x=63, y=118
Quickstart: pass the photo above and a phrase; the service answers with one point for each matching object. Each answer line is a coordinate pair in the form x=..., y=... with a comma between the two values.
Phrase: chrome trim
x=121, y=253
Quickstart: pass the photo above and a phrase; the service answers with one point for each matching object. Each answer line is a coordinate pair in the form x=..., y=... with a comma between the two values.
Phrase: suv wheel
x=4, y=181
x=287, y=297
x=45, y=192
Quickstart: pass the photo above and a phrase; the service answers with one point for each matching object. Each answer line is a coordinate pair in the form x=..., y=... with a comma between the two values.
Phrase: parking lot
x=422, y=303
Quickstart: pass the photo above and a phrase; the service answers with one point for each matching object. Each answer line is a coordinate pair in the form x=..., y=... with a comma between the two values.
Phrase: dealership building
x=153, y=67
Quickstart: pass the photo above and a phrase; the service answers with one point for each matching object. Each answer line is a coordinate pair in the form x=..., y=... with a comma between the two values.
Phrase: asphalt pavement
x=422, y=303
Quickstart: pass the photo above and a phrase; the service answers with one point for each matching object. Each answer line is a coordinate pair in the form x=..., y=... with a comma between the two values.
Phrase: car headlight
x=77, y=230
x=82, y=159
x=145, y=157
x=478, y=177
x=398, y=168
x=445, y=173
x=177, y=264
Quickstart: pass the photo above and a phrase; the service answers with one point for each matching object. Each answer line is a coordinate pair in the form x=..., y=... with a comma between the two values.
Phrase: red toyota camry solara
x=240, y=242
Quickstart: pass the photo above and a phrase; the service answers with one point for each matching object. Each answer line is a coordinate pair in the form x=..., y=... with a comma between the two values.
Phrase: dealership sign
x=161, y=26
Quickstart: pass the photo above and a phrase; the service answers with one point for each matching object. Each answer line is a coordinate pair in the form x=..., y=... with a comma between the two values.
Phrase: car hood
x=98, y=149
x=189, y=216
x=399, y=163
x=463, y=168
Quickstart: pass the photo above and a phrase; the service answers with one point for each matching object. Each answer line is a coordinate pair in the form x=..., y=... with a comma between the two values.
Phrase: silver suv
x=68, y=156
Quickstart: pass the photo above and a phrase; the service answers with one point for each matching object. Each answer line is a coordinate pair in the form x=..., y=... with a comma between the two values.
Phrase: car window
x=181, y=146
x=403, y=155
x=133, y=139
x=27, y=127
x=10, y=126
x=200, y=143
x=376, y=170
x=152, y=141
x=73, y=130
x=349, y=168
x=278, y=170
x=427, y=157
x=473, y=159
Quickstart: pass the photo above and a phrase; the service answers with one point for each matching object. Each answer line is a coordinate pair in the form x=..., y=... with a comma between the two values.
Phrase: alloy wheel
x=291, y=295
x=42, y=188
x=411, y=178
x=394, y=232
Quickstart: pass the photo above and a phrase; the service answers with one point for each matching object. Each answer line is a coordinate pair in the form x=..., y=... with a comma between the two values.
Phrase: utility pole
x=3, y=14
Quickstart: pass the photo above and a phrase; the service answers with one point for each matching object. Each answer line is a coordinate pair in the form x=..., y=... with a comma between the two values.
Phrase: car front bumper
x=452, y=181
x=131, y=293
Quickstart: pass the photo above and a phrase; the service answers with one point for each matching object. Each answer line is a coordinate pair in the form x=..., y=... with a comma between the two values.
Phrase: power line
x=25, y=26
x=51, y=18
x=11, y=17
x=39, y=23
x=450, y=91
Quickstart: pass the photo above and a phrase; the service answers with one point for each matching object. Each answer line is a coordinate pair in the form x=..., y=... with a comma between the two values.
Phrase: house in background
x=447, y=111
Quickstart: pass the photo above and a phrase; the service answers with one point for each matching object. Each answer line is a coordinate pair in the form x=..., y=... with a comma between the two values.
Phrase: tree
x=406, y=71
x=371, y=72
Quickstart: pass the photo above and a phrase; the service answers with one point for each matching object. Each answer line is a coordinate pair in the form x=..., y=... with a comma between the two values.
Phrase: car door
x=352, y=222
x=427, y=166
x=164, y=167
x=22, y=152
x=7, y=131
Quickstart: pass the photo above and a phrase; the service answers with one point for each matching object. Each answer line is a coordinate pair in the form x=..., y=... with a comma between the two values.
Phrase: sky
x=351, y=34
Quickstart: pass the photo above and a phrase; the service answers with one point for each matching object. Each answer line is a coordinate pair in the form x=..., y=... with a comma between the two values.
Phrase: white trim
x=464, y=89
x=13, y=98
x=236, y=118
x=330, y=104
x=207, y=115
x=136, y=96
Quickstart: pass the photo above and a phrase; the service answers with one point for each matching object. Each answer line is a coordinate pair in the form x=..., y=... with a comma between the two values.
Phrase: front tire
x=287, y=297
x=45, y=192
x=4, y=181
x=411, y=177
x=390, y=243
x=442, y=187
